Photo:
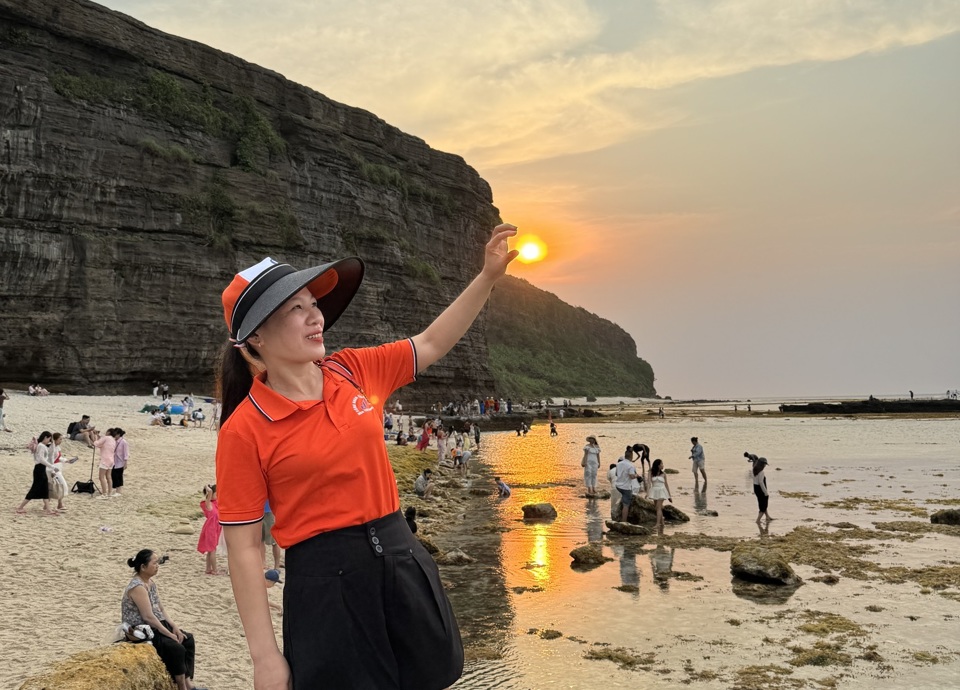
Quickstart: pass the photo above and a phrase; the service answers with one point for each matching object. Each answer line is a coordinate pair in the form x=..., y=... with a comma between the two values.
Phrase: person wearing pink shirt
x=107, y=444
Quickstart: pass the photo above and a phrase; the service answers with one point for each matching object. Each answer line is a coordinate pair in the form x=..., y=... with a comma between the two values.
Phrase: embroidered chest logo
x=361, y=405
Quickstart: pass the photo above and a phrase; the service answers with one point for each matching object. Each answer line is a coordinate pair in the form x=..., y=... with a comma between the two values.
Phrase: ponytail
x=234, y=377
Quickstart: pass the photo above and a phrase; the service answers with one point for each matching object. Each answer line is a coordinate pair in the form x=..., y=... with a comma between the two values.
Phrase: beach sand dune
x=61, y=578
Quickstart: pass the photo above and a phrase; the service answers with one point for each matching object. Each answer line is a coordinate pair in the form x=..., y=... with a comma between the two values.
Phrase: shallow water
x=698, y=627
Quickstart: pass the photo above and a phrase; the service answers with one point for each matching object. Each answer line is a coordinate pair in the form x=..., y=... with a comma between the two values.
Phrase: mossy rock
x=756, y=562
x=118, y=667
x=950, y=516
x=589, y=555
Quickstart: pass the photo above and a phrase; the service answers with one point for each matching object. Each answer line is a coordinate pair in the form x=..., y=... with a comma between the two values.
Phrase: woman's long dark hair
x=758, y=467
x=234, y=378
x=44, y=435
x=141, y=559
x=657, y=468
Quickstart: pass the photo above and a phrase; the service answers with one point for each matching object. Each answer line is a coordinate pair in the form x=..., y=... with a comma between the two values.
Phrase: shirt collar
x=273, y=405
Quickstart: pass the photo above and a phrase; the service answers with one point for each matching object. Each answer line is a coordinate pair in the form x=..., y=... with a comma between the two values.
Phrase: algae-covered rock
x=644, y=511
x=951, y=516
x=428, y=544
x=757, y=562
x=118, y=667
x=455, y=557
x=627, y=528
x=589, y=554
x=539, y=511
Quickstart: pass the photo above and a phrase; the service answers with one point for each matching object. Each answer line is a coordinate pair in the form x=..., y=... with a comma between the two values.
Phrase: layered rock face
x=140, y=171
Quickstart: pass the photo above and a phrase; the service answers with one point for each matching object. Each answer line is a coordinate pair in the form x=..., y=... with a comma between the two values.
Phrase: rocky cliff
x=139, y=171
x=541, y=346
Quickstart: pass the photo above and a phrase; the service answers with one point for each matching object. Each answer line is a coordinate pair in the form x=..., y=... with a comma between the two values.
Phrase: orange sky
x=764, y=194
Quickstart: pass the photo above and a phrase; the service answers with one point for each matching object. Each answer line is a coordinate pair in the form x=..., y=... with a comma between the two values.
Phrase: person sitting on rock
x=423, y=486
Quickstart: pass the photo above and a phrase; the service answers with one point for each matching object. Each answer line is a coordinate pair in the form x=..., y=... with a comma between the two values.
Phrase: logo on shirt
x=361, y=405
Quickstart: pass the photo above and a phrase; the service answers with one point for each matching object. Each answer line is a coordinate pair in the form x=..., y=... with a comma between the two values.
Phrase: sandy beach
x=62, y=577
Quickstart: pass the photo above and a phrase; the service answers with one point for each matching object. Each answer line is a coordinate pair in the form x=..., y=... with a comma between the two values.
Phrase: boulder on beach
x=589, y=554
x=643, y=511
x=951, y=516
x=122, y=666
x=454, y=557
x=757, y=562
x=539, y=511
x=627, y=528
x=180, y=528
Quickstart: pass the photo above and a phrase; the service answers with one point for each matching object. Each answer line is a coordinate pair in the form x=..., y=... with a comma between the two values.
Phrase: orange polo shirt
x=322, y=463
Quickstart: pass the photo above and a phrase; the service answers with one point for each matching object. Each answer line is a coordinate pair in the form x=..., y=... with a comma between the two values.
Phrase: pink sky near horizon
x=764, y=195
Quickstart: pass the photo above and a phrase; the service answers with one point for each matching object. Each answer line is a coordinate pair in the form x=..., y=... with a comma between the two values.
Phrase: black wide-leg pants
x=364, y=609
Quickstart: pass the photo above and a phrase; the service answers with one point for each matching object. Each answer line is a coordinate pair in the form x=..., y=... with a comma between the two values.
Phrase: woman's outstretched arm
x=447, y=329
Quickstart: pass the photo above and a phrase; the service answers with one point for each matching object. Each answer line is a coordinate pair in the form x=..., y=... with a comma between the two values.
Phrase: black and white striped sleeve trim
x=225, y=523
x=415, y=365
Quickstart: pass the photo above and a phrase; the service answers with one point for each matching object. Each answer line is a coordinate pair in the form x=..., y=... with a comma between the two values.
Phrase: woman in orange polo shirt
x=363, y=603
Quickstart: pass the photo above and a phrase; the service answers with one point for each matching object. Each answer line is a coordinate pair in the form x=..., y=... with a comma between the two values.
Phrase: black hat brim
x=347, y=274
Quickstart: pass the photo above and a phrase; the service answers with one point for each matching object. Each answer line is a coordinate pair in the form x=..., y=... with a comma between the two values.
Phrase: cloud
x=502, y=82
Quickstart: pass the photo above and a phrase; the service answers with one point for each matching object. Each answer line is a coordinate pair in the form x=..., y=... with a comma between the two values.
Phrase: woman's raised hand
x=497, y=255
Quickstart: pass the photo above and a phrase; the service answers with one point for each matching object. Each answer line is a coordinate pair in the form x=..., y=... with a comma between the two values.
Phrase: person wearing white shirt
x=626, y=473
x=40, y=488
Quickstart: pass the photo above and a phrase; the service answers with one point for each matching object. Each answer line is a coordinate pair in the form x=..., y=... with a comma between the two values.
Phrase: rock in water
x=758, y=563
x=455, y=557
x=589, y=554
x=643, y=511
x=539, y=511
x=946, y=517
x=627, y=528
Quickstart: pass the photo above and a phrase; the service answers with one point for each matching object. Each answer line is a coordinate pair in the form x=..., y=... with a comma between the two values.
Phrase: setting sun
x=531, y=249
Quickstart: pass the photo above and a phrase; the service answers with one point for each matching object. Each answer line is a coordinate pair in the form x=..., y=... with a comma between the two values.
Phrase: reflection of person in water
x=662, y=562
x=594, y=522
x=629, y=574
x=700, y=499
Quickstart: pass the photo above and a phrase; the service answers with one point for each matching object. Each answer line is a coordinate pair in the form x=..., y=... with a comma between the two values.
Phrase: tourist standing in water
x=760, y=489
x=591, y=465
x=699, y=461
x=659, y=491
x=364, y=606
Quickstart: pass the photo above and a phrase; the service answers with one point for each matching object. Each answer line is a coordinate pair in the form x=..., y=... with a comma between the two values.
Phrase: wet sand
x=852, y=498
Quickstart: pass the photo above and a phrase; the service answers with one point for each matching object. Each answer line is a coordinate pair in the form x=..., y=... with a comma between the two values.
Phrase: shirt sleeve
x=241, y=485
x=381, y=370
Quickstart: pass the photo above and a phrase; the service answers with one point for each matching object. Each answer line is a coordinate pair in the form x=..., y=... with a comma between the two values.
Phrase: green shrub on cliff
x=165, y=97
x=540, y=346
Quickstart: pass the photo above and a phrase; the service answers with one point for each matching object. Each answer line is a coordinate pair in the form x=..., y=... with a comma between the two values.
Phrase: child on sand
x=211, y=530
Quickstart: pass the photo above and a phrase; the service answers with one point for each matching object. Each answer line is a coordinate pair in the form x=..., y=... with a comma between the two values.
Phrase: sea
x=550, y=622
